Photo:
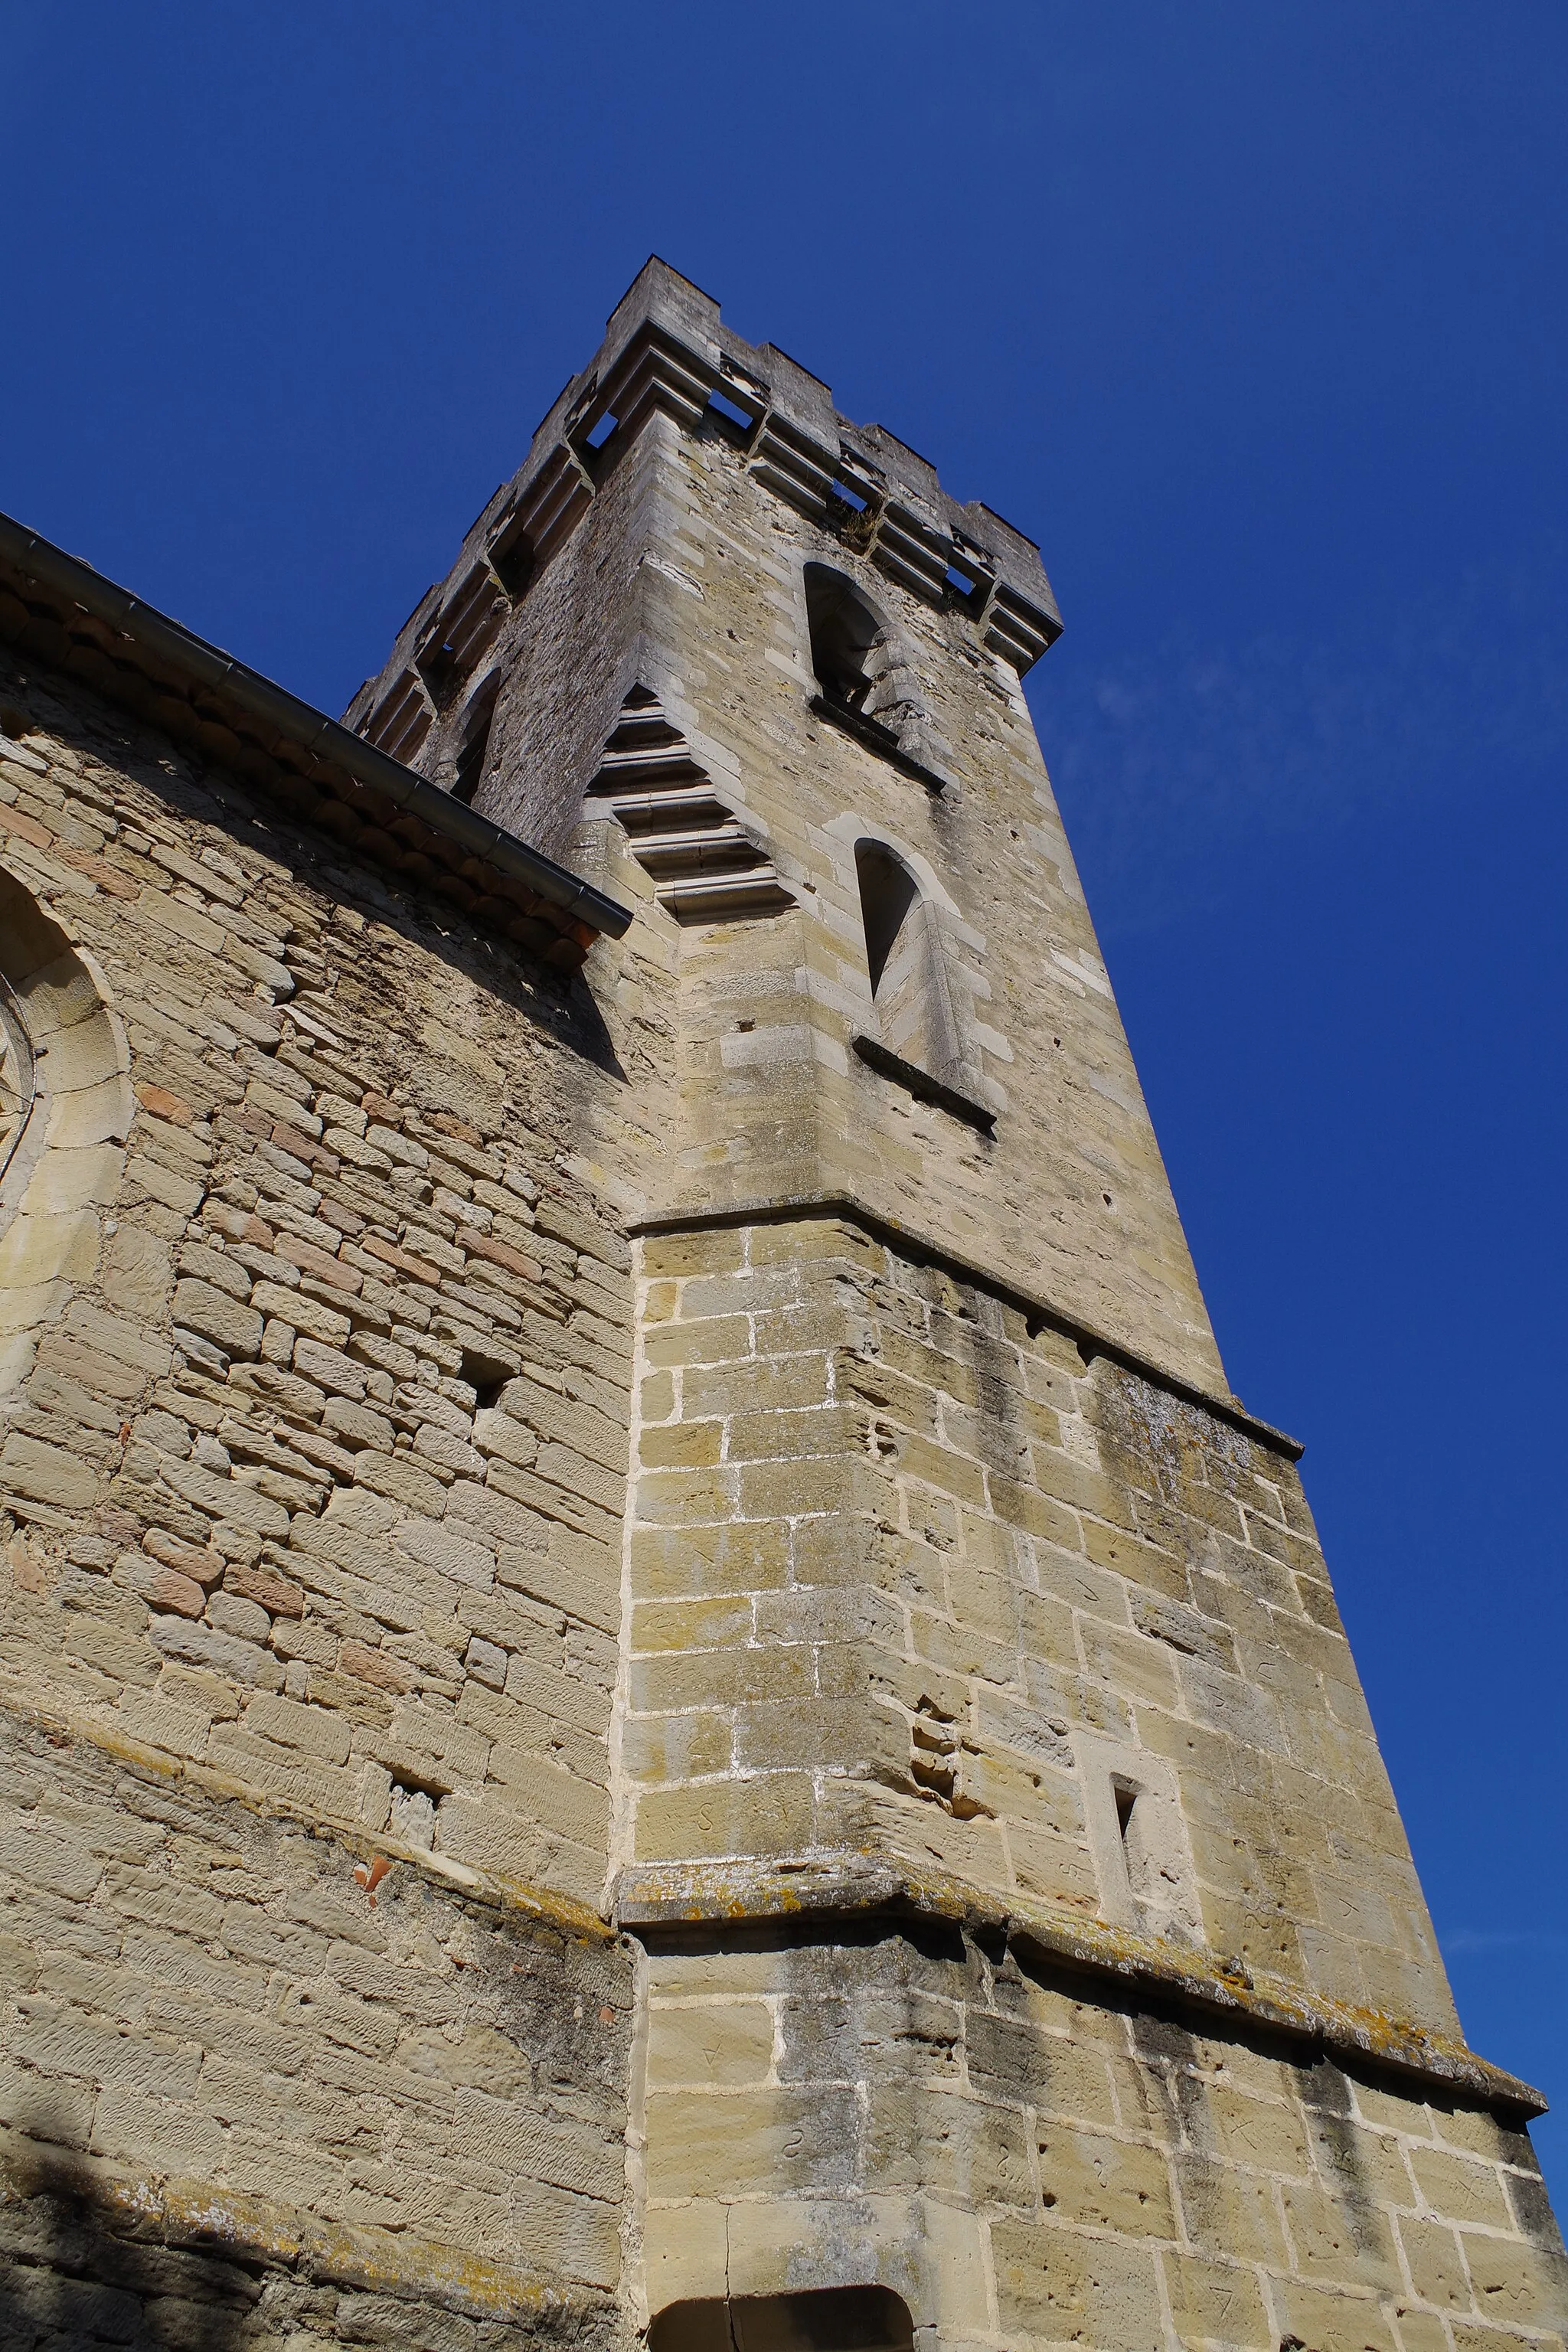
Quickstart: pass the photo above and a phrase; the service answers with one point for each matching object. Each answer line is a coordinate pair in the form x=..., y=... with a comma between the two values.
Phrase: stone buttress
x=654, y=1684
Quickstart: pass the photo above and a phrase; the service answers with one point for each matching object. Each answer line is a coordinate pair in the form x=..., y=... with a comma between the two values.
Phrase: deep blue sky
x=1253, y=317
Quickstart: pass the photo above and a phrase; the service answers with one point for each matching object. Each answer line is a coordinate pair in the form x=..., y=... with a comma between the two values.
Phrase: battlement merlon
x=666, y=348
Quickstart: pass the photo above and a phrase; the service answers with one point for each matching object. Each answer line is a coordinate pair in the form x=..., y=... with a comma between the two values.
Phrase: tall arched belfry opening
x=652, y=1686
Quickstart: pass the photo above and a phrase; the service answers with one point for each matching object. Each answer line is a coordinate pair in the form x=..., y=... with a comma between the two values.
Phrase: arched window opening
x=848, y=642
x=474, y=743
x=821, y=2319
x=65, y=1106
x=870, y=688
x=904, y=958
x=18, y=1084
x=888, y=895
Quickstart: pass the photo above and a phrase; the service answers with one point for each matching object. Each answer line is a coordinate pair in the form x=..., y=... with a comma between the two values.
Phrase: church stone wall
x=319, y=1467
x=311, y=1449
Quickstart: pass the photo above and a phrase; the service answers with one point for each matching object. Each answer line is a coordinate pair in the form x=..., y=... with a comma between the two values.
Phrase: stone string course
x=850, y=1886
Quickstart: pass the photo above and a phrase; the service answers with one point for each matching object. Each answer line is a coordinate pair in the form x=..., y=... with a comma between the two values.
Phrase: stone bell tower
x=1028, y=1947
x=651, y=1689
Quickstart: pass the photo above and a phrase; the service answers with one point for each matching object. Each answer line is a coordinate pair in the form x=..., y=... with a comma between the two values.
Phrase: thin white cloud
x=1175, y=768
x=1464, y=1940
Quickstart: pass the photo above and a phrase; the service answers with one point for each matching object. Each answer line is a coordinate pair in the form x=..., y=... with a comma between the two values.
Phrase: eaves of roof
x=65, y=615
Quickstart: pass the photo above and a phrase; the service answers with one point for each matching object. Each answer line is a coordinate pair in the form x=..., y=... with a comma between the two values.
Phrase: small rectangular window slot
x=968, y=588
x=721, y=407
x=1137, y=1839
x=511, y=559
x=437, y=666
x=597, y=434
x=848, y=496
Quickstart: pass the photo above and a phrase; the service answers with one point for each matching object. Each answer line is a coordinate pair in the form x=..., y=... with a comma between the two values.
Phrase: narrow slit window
x=1135, y=1823
x=597, y=434
x=888, y=895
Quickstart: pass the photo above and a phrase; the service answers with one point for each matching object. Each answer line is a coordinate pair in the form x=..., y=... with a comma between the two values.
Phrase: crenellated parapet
x=667, y=351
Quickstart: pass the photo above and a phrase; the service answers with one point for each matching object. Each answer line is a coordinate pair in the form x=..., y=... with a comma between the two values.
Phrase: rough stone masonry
x=651, y=1685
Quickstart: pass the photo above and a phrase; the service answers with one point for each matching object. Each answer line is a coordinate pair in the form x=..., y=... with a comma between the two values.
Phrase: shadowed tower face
x=1028, y=1929
x=650, y=1687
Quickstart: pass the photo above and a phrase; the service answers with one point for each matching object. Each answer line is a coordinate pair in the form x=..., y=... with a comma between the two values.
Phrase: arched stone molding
x=955, y=952
x=867, y=667
x=65, y=1105
x=906, y=962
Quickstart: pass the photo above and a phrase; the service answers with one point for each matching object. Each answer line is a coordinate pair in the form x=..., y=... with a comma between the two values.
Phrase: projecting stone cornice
x=374, y=1853
x=723, y=1895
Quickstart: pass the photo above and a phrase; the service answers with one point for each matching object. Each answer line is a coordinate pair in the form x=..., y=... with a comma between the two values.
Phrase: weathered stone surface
x=1007, y=2147
x=472, y=1438
x=282, y=2108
